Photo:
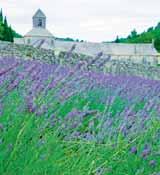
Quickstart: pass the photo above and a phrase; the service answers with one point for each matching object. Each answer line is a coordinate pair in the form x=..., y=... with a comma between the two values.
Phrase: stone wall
x=116, y=64
x=108, y=48
x=90, y=48
x=10, y=49
x=26, y=52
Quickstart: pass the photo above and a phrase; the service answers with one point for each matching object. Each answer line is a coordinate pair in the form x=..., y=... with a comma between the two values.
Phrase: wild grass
x=31, y=145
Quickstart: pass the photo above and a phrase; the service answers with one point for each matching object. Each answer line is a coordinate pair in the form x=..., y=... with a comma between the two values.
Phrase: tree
x=1, y=31
x=158, y=26
x=150, y=29
x=133, y=33
x=117, y=39
x=10, y=34
x=1, y=16
x=157, y=44
x=6, y=33
x=1, y=25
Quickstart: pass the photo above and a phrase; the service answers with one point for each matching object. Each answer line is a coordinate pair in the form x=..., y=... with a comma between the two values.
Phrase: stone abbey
x=40, y=37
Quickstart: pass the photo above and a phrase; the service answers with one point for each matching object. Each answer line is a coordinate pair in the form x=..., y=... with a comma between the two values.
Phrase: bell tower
x=39, y=19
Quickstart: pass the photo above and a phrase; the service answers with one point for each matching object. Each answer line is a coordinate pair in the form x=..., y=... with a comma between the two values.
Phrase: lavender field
x=67, y=120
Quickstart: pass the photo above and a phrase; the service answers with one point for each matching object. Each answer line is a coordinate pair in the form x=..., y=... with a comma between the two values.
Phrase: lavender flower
x=152, y=163
x=1, y=127
x=124, y=103
x=134, y=150
x=146, y=152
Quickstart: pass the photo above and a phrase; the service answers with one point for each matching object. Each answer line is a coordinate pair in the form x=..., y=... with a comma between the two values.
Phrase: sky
x=90, y=20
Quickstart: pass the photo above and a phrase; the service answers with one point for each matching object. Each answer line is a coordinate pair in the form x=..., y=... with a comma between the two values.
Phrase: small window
x=40, y=23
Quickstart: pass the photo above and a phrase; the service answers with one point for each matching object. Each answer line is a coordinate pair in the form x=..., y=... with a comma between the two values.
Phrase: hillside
x=6, y=31
x=148, y=36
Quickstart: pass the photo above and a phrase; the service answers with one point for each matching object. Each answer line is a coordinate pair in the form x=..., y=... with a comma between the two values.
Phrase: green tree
x=157, y=44
x=1, y=31
x=10, y=34
x=1, y=25
x=158, y=26
x=150, y=29
x=117, y=39
x=6, y=30
x=133, y=33
x=1, y=16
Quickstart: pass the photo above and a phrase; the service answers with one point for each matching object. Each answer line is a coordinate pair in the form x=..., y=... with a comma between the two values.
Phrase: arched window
x=39, y=22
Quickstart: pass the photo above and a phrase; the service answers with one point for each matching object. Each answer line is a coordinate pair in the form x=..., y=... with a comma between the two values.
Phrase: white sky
x=92, y=20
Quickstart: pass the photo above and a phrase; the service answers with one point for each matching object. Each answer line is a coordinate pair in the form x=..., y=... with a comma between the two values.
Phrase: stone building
x=39, y=36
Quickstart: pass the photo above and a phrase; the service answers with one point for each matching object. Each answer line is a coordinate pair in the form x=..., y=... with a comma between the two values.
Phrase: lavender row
x=46, y=88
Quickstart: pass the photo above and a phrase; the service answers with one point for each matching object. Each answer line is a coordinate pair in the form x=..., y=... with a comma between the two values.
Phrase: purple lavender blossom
x=146, y=152
x=1, y=127
x=134, y=150
x=152, y=163
x=44, y=87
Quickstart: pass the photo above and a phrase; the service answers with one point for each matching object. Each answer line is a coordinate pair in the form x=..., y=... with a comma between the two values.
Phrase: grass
x=29, y=145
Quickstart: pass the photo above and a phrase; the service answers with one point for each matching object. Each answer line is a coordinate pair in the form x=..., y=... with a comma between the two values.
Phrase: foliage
x=157, y=43
x=69, y=39
x=16, y=35
x=148, y=36
x=6, y=31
